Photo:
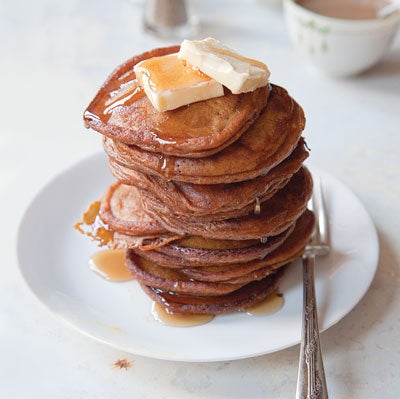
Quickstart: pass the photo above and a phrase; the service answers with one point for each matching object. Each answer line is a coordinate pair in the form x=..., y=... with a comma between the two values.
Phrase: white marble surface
x=54, y=55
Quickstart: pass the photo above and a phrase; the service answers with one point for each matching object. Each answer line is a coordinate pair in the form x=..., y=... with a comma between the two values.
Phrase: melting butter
x=239, y=74
x=170, y=83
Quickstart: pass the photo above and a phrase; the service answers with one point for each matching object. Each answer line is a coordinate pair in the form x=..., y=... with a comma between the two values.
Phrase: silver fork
x=311, y=383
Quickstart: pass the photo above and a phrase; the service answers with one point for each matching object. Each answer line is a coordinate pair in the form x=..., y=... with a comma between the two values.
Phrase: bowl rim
x=356, y=24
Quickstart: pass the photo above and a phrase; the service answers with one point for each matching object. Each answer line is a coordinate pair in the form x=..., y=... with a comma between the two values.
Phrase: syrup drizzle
x=123, y=93
x=127, y=96
x=257, y=208
x=92, y=226
x=166, y=165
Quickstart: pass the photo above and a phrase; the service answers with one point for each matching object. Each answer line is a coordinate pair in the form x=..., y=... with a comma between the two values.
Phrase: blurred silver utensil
x=172, y=19
x=311, y=382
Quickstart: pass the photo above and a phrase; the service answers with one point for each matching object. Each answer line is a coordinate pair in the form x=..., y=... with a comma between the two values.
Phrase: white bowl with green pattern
x=336, y=46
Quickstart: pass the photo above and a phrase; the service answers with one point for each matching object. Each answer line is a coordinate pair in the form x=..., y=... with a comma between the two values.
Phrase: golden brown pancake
x=121, y=209
x=122, y=111
x=271, y=139
x=124, y=211
x=174, y=255
x=236, y=301
x=173, y=280
x=130, y=227
x=92, y=226
x=291, y=248
x=144, y=243
x=211, y=197
x=275, y=216
x=198, y=242
x=218, y=280
x=213, y=201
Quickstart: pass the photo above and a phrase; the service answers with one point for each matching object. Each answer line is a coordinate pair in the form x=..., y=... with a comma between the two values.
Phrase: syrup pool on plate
x=177, y=319
x=110, y=264
x=269, y=305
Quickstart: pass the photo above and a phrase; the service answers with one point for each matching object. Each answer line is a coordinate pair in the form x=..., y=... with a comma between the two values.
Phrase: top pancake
x=122, y=111
x=267, y=142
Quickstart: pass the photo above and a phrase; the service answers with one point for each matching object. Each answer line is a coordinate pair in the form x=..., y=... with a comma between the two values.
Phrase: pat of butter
x=170, y=83
x=239, y=74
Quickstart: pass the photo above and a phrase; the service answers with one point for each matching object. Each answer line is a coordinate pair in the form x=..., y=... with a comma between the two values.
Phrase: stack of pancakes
x=210, y=199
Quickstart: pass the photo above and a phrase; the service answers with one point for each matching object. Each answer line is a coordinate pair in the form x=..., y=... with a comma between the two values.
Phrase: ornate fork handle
x=311, y=383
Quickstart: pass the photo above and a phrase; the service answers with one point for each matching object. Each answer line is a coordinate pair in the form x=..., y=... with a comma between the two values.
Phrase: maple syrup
x=167, y=166
x=98, y=231
x=127, y=95
x=168, y=72
x=110, y=264
x=269, y=305
x=257, y=208
x=161, y=314
x=122, y=92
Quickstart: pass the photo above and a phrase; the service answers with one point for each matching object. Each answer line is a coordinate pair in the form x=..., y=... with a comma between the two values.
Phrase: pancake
x=270, y=140
x=211, y=197
x=213, y=201
x=211, y=286
x=173, y=255
x=92, y=226
x=121, y=209
x=275, y=216
x=122, y=111
x=236, y=301
x=120, y=218
x=198, y=242
x=291, y=248
x=173, y=280
x=144, y=243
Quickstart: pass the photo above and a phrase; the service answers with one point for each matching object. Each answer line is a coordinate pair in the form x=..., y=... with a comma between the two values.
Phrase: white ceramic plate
x=54, y=262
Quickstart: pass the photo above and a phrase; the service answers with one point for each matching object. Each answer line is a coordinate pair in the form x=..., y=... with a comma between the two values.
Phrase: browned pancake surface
x=276, y=215
x=121, y=209
x=211, y=198
x=213, y=201
x=173, y=280
x=174, y=255
x=289, y=250
x=236, y=301
x=264, y=145
x=122, y=111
